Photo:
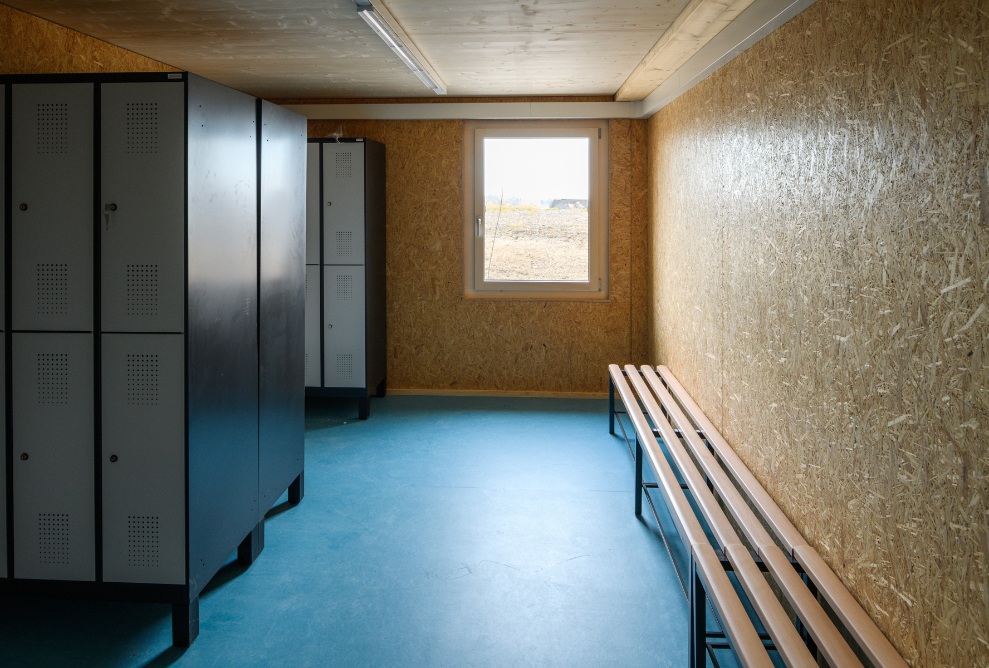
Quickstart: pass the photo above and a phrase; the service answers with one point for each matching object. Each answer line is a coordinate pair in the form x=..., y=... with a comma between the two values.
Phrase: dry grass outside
x=535, y=244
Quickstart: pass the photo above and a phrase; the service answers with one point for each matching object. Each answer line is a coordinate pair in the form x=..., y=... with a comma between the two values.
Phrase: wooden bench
x=749, y=537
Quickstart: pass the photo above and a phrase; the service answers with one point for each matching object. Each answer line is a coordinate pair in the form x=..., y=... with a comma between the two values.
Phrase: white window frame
x=596, y=287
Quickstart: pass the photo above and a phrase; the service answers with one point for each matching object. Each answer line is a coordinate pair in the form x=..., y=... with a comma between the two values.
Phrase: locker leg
x=250, y=548
x=297, y=489
x=185, y=623
x=364, y=408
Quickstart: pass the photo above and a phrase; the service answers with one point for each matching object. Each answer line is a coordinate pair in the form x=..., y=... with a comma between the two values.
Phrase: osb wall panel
x=437, y=339
x=820, y=250
x=639, y=244
x=30, y=45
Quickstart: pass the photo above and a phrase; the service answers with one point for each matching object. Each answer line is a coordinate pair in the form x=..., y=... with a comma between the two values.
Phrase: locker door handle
x=108, y=208
x=329, y=327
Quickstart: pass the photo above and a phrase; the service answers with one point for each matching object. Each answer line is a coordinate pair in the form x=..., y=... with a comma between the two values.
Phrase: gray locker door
x=143, y=417
x=52, y=206
x=54, y=498
x=344, y=354
x=312, y=326
x=143, y=207
x=312, y=203
x=3, y=456
x=343, y=203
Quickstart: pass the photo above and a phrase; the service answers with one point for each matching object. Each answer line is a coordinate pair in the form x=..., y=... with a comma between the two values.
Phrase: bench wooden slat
x=767, y=606
x=734, y=618
x=718, y=587
x=790, y=645
x=781, y=525
x=822, y=630
x=683, y=514
x=829, y=640
x=859, y=624
x=753, y=529
x=872, y=641
x=724, y=532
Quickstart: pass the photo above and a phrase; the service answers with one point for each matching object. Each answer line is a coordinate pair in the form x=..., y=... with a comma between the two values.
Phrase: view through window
x=536, y=209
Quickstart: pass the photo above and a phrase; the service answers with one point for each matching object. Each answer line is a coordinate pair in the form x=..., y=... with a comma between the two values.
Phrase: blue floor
x=443, y=531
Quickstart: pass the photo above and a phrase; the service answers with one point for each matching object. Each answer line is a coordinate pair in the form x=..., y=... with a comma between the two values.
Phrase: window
x=535, y=212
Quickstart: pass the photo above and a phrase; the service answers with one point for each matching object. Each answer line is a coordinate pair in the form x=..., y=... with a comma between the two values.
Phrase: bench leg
x=611, y=405
x=638, y=478
x=697, y=643
x=185, y=623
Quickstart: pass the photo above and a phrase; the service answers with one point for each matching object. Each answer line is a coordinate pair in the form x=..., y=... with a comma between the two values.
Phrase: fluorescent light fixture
x=403, y=48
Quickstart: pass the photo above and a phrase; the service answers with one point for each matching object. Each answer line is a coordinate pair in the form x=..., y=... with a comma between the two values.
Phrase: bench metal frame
x=703, y=484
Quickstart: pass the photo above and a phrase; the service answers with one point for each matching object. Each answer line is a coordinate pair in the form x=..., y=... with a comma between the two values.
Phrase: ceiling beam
x=698, y=23
x=762, y=18
x=465, y=110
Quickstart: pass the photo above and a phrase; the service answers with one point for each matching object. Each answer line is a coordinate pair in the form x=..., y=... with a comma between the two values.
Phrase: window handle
x=478, y=229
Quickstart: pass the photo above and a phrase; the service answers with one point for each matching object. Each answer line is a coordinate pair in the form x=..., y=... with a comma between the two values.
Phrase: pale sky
x=536, y=168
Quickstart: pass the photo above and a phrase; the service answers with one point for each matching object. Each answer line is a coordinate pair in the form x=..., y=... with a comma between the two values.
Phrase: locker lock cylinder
x=23, y=456
x=113, y=459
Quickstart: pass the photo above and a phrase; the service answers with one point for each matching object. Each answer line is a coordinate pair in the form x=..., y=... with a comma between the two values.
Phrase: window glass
x=535, y=210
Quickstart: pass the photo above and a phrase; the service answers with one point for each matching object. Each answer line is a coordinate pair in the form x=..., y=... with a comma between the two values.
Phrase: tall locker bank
x=345, y=270
x=3, y=337
x=132, y=219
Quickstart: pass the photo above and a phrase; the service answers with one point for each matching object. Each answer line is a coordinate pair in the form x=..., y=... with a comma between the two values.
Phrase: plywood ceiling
x=322, y=49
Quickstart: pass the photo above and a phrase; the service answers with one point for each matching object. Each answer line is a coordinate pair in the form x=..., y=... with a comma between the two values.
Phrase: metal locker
x=344, y=349
x=142, y=208
x=3, y=450
x=54, y=498
x=313, y=358
x=312, y=204
x=343, y=203
x=143, y=458
x=52, y=206
x=3, y=236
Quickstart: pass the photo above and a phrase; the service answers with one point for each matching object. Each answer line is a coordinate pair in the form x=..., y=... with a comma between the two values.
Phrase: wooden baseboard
x=496, y=393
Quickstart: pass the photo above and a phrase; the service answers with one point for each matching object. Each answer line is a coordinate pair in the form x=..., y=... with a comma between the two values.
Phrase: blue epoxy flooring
x=443, y=531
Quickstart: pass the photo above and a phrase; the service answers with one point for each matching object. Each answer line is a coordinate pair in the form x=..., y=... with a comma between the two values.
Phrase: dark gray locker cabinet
x=3, y=336
x=281, y=303
x=348, y=228
x=148, y=437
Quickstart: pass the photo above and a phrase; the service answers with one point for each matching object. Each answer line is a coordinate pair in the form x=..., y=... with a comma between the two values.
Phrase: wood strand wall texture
x=440, y=341
x=30, y=45
x=819, y=243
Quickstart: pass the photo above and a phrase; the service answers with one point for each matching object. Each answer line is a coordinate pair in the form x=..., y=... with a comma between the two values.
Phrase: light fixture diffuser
x=403, y=48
